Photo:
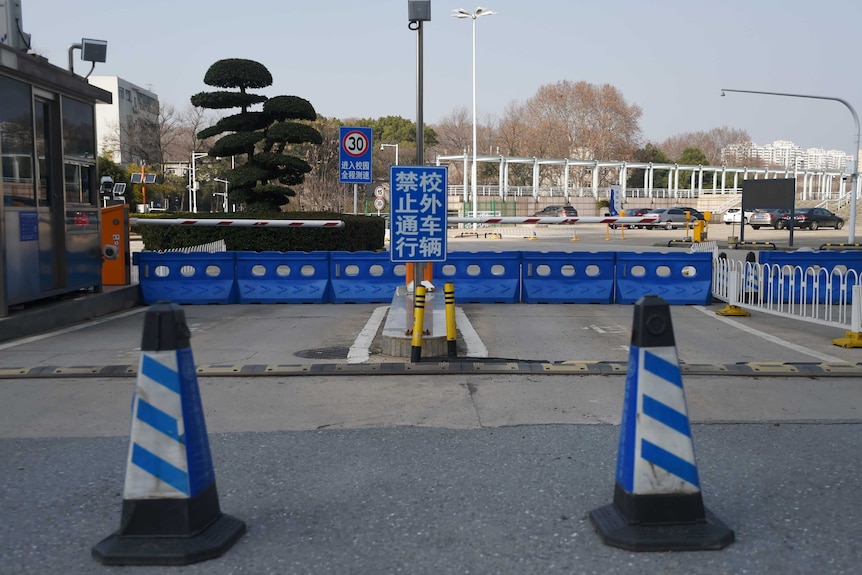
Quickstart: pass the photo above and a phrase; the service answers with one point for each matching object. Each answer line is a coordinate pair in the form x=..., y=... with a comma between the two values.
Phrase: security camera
x=110, y=252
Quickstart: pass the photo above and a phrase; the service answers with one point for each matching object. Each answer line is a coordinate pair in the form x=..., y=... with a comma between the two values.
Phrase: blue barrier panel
x=193, y=278
x=364, y=277
x=563, y=277
x=679, y=278
x=282, y=277
x=822, y=272
x=482, y=277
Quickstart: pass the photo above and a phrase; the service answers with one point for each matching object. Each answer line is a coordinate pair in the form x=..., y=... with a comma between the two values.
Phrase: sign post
x=354, y=159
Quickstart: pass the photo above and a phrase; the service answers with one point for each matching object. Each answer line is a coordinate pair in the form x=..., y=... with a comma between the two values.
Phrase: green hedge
x=360, y=233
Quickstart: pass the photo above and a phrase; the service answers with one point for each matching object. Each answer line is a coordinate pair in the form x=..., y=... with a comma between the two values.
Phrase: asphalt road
x=364, y=472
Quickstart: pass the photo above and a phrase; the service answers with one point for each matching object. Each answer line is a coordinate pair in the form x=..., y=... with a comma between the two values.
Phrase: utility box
x=116, y=259
x=419, y=10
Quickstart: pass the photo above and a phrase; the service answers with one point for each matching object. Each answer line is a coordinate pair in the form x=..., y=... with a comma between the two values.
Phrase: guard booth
x=50, y=241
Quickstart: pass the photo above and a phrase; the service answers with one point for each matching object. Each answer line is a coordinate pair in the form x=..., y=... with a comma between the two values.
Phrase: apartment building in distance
x=786, y=154
x=128, y=128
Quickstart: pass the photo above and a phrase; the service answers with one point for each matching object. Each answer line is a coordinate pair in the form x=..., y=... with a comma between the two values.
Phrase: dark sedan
x=813, y=218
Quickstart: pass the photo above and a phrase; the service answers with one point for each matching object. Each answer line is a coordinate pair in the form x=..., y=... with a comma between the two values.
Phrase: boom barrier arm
x=238, y=223
x=583, y=220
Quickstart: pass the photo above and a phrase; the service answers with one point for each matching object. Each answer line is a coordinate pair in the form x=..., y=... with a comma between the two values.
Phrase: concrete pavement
x=458, y=473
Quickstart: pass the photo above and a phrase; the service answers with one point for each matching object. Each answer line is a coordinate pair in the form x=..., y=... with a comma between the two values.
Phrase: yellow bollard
x=418, y=323
x=451, y=329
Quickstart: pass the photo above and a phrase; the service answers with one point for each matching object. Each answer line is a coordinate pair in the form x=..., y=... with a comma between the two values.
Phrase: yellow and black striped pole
x=418, y=323
x=451, y=329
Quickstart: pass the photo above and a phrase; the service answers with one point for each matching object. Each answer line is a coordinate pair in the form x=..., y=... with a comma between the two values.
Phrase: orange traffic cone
x=171, y=513
x=657, y=503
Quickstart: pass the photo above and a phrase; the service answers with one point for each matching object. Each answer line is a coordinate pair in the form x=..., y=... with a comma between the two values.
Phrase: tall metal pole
x=419, y=267
x=473, y=170
x=851, y=232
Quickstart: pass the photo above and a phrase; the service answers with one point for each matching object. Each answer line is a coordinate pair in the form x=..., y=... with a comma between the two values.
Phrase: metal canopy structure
x=727, y=179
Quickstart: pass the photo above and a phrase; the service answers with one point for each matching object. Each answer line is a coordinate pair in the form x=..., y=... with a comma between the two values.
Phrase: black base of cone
x=212, y=542
x=707, y=535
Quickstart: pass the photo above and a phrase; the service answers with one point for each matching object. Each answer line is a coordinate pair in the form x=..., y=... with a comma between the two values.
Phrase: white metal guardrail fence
x=811, y=293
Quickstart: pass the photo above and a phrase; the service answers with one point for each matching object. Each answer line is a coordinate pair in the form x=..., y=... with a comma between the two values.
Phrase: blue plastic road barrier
x=821, y=272
x=282, y=277
x=193, y=278
x=562, y=277
x=679, y=278
x=364, y=277
x=482, y=277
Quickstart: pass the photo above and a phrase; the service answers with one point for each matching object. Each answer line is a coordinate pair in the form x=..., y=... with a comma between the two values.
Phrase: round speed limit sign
x=355, y=143
x=379, y=203
x=380, y=192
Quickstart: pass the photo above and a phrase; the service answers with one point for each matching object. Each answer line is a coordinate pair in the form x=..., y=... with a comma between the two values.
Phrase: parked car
x=557, y=212
x=667, y=218
x=812, y=218
x=767, y=218
x=632, y=213
x=694, y=213
x=735, y=216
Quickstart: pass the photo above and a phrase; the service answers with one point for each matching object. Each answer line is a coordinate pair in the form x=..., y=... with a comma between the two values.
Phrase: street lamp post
x=391, y=146
x=193, y=182
x=226, y=184
x=851, y=233
x=461, y=13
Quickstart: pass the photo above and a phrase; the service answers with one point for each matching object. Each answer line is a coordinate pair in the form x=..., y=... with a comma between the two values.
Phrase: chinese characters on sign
x=354, y=156
x=418, y=213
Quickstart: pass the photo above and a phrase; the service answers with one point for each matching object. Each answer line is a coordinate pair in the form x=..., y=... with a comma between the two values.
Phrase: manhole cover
x=337, y=352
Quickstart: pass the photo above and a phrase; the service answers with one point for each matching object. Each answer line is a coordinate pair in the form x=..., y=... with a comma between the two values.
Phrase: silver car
x=767, y=218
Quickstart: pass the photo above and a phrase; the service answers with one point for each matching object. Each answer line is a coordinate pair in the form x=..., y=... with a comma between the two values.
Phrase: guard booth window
x=16, y=142
x=79, y=151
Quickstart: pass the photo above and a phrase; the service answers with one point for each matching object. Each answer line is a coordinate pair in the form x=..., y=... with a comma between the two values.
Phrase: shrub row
x=360, y=233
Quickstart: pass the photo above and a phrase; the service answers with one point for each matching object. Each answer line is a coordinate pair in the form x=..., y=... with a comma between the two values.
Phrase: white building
x=786, y=154
x=129, y=127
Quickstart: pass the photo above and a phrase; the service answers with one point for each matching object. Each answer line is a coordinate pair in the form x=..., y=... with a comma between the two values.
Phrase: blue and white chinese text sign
x=418, y=213
x=354, y=155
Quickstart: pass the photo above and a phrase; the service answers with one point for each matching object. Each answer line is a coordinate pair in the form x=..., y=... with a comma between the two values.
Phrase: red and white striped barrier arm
x=537, y=220
x=238, y=223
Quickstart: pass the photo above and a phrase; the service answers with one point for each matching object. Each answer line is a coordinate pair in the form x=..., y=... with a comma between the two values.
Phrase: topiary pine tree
x=264, y=137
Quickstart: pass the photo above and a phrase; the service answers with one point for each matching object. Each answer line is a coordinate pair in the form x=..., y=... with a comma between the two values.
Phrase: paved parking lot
x=460, y=472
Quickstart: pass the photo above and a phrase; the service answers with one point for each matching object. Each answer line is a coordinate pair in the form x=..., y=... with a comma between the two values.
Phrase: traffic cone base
x=209, y=543
x=687, y=525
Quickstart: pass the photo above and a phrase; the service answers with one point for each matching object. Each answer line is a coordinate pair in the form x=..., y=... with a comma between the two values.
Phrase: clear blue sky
x=357, y=58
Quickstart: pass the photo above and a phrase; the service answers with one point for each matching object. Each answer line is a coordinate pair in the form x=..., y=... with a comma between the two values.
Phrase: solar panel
x=150, y=179
x=136, y=178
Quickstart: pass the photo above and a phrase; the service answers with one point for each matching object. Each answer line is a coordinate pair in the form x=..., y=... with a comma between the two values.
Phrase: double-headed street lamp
x=461, y=13
x=851, y=236
x=382, y=146
x=193, y=182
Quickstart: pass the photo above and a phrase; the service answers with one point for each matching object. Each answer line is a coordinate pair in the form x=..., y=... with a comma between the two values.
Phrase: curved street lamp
x=461, y=13
x=851, y=236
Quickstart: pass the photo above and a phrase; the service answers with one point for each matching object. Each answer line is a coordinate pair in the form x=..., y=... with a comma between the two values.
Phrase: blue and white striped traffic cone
x=657, y=503
x=171, y=513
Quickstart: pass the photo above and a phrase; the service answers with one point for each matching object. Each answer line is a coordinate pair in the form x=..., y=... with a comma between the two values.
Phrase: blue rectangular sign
x=354, y=155
x=418, y=213
x=28, y=223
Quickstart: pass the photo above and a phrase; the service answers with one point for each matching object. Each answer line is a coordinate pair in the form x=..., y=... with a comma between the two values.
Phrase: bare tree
x=454, y=132
x=710, y=143
x=321, y=191
x=580, y=120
